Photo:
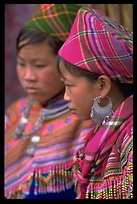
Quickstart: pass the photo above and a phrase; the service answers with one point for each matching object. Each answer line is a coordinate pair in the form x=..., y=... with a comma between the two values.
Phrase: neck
x=53, y=99
x=117, y=98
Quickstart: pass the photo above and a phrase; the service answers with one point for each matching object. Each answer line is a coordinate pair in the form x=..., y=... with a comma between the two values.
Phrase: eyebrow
x=33, y=60
x=65, y=79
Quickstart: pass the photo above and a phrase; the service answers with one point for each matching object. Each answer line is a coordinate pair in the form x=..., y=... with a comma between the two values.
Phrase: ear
x=105, y=85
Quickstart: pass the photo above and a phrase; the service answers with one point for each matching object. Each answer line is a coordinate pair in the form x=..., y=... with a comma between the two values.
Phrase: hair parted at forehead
x=30, y=36
x=101, y=45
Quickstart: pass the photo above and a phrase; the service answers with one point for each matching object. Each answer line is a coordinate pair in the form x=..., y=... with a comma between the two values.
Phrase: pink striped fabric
x=99, y=44
x=114, y=139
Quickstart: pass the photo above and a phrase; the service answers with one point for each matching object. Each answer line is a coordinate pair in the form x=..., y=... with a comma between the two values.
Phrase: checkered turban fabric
x=99, y=44
x=54, y=19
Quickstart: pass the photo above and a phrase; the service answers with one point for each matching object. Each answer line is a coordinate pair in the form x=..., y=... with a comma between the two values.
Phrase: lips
x=72, y=110
x=31, y=90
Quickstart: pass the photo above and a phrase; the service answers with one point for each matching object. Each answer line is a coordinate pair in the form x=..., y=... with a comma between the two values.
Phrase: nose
x=66, y=96
x=29, y=73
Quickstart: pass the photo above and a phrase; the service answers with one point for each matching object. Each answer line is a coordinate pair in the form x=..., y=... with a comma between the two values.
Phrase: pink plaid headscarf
x=99, y=44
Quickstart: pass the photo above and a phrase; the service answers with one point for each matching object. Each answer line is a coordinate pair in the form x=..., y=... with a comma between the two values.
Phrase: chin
x=39, y=100
x=86, y=117
x=83, y=117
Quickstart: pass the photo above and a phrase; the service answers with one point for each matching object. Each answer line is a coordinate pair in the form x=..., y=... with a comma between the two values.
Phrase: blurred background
x=15, y=17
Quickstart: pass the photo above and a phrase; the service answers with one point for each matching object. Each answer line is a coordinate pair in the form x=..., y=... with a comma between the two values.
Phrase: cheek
x=85, y=110
x=50, y=77
x=78, y=99
x=20, y=74
x=84, y=104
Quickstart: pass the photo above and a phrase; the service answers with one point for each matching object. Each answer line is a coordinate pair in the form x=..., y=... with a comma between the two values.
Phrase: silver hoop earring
x=101, y=114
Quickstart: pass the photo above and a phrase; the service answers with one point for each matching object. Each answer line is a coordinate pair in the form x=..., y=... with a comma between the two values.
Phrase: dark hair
x=30, y=36
x=73, y=69
x=125, y=89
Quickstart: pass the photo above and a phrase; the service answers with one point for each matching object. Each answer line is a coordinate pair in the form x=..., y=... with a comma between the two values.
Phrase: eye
x=21, y=64
x=40, y=65
x=68, y=85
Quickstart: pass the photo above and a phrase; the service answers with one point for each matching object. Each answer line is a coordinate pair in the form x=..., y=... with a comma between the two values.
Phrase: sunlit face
x=79, y=93
x=36, y=69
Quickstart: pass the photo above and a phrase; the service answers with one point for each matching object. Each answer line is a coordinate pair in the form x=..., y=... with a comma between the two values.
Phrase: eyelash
x=40, y=65
x=68, y=85
x=20, y=64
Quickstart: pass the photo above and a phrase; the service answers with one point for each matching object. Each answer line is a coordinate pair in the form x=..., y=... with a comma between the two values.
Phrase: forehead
x=65, y=74
x=38, y=51
x=38, y=46
x=68, y=76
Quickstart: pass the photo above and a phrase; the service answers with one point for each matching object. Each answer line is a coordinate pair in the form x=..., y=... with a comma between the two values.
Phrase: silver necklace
x=45, y=114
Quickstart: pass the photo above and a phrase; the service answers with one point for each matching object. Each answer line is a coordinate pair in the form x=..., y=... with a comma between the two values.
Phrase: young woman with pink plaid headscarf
x=96, y=65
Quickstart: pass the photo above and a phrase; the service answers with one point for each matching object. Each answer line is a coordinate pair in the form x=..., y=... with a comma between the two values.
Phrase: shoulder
x=17, y=105
x=13, y=112
x=126, y=136
x=124, y=144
